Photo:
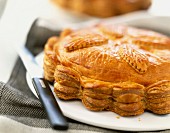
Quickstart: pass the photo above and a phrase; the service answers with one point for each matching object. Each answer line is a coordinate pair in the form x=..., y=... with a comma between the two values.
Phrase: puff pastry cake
x=111, y=67
x=103, y=8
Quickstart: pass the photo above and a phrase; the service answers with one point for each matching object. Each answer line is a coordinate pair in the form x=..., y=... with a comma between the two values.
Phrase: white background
x=19, y=15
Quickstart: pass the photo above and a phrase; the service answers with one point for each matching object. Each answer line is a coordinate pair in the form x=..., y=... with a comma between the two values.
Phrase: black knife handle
x=56, y=118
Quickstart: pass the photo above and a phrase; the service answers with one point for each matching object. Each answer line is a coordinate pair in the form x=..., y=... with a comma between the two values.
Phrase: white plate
x=75, y=110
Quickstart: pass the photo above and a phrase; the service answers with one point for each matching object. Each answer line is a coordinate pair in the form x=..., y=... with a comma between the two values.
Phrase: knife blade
x=54, y=113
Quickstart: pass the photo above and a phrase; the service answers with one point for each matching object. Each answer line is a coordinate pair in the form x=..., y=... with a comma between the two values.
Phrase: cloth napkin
x=20, y=110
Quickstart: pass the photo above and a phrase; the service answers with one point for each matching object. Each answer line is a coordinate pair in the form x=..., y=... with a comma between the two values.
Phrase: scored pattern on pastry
x=134, y=58
x=150, y=43
x=83, y=40
x=148, y=39
x=113, y=31
x=145, y=39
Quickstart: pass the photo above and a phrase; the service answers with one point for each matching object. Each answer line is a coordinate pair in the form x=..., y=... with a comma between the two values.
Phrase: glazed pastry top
x=116, y=53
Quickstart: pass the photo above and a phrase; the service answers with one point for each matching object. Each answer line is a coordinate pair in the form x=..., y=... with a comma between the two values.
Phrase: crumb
x=118, y=117
x=139, y=119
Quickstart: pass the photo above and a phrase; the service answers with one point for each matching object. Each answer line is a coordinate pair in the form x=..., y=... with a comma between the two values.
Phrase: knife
x=54, y=113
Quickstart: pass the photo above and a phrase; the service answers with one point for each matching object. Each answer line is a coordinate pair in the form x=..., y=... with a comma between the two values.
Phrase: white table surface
x=19, y=15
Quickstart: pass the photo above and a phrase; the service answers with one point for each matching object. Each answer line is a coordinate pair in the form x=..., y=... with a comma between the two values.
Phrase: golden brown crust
x=107, y=70
x=103, y=8
x=66, y=92
x=98, y=62
x=135, y=59
x=83, y=40
x=50, y=60
x=158, y=97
